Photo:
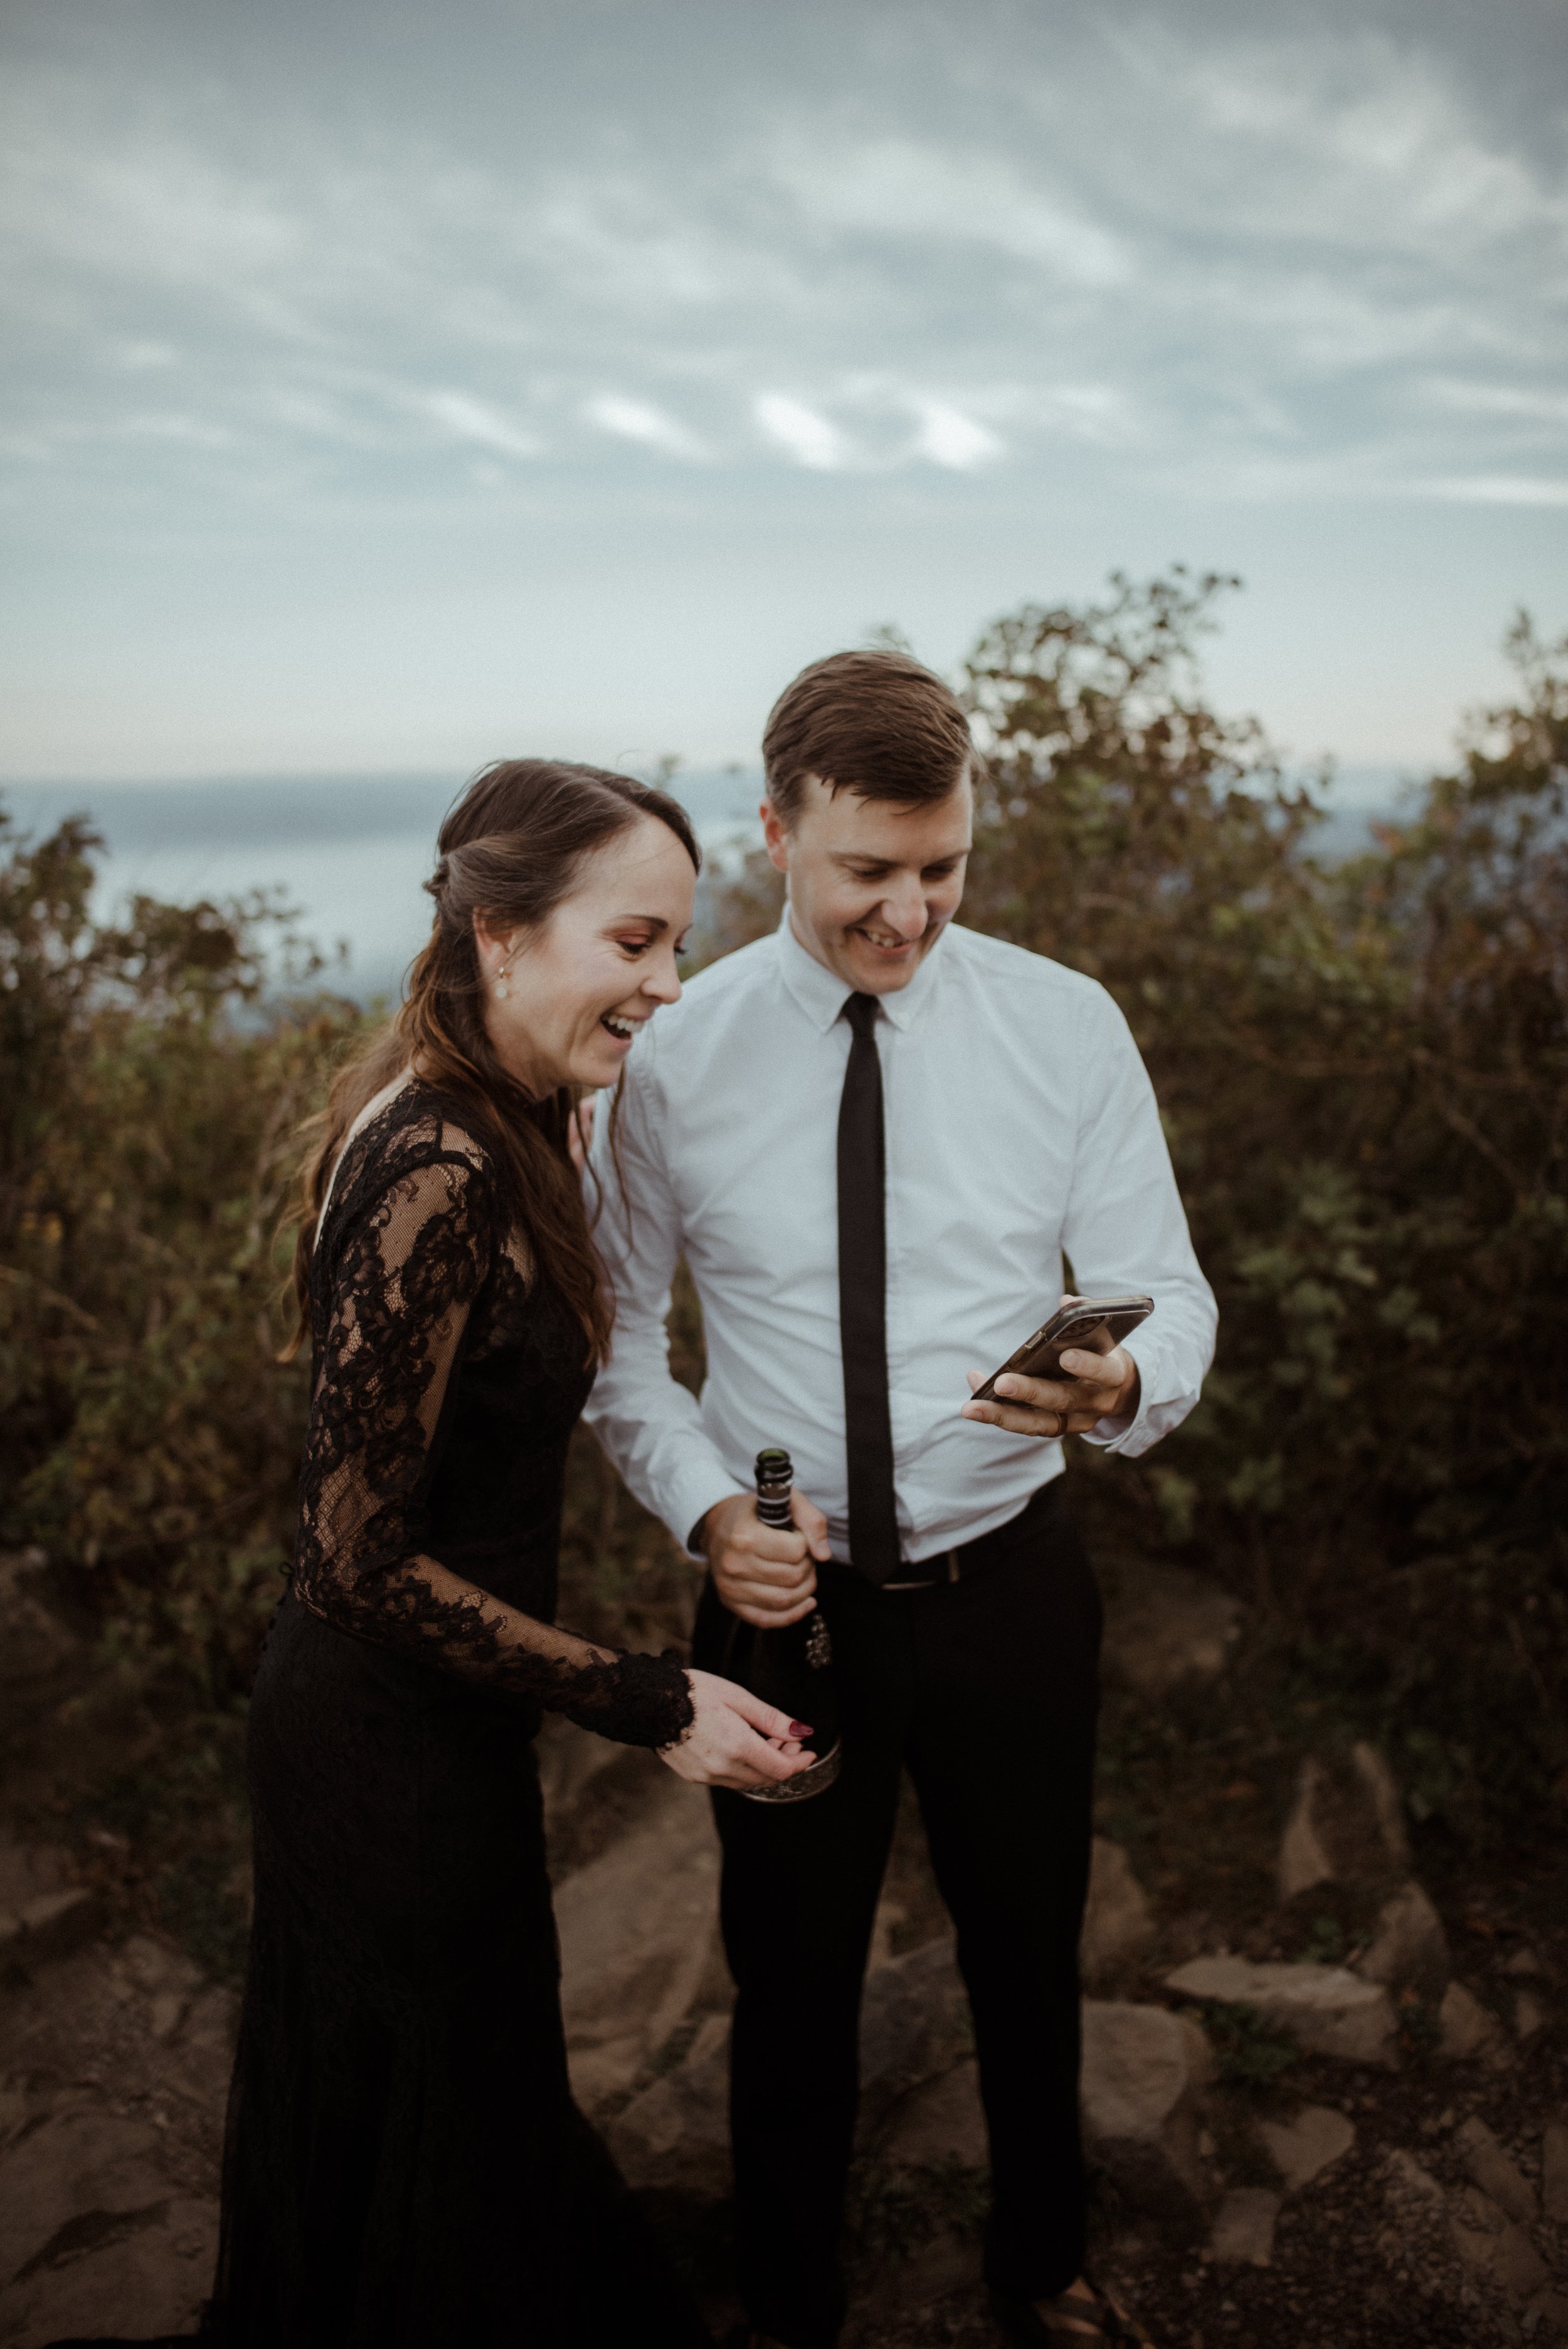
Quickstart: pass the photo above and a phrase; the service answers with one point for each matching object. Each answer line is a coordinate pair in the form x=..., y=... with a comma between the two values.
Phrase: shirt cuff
x=695, y=1492
x=1114, y=1434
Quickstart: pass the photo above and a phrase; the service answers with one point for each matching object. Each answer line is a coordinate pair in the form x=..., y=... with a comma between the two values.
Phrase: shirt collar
x=822, y=996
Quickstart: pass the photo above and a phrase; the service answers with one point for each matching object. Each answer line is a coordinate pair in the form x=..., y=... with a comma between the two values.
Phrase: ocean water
x=349, y=852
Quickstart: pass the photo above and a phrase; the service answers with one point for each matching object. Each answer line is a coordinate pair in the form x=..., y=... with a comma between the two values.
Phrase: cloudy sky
x=392, y=385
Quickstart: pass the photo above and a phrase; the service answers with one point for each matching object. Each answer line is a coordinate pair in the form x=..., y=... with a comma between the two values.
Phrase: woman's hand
x=736, y=1740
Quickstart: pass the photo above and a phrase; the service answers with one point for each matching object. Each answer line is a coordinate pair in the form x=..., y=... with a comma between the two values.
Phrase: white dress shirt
x=1020, y=1123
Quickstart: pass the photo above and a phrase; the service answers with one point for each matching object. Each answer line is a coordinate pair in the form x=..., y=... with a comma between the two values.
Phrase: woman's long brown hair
x=510, y=850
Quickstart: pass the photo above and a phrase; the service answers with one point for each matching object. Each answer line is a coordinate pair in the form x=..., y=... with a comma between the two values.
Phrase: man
x=873, y=1135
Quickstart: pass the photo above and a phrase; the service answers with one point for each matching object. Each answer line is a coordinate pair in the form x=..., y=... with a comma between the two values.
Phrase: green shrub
x=148, y=1439
x=1249, y=2052
x=1363, y=1069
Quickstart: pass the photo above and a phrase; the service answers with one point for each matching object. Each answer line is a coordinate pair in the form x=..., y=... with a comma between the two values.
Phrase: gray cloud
x=1155, y=246
x=352, y=260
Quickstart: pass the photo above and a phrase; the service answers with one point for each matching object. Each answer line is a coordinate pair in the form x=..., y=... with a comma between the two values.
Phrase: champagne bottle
x=791, y=1668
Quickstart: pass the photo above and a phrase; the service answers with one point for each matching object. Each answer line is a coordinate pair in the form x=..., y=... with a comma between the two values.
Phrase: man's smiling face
x=873, y=883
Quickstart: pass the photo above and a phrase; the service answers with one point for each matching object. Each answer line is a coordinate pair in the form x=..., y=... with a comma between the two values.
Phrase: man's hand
x=1102, y=1382
x=763, y=1574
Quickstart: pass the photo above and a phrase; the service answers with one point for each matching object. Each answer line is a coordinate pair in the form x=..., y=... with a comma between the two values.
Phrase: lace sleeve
x=399, y=1289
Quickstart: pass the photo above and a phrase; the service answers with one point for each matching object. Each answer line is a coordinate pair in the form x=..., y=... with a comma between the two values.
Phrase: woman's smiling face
x=564, y=1002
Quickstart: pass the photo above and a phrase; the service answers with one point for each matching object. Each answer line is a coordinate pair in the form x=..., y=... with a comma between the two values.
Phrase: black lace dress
x=404, y=2165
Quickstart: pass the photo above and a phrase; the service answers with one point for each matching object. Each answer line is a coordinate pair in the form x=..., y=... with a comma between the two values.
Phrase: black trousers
x=987, y=1691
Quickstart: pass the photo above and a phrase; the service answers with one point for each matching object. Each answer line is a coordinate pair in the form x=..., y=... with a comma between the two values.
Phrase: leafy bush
x=151, y=1088
x=1364, y=1072
x=1250, y=2053
x=1363, y=1069
x=148, y=1438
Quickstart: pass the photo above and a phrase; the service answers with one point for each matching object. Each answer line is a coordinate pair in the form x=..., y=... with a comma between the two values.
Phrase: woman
x=404, y=2165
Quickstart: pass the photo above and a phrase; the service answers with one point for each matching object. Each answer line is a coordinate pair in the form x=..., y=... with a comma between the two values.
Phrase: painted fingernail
x=800, y=1729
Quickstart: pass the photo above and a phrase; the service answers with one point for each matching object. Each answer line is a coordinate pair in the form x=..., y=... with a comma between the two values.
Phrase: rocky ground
x=1326, y=2100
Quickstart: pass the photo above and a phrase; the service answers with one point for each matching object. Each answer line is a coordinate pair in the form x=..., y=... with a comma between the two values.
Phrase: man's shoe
x=744, y=2337
x=1087, y=2317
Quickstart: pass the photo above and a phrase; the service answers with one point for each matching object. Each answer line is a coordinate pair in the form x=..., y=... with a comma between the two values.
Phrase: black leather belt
x=986, y=1551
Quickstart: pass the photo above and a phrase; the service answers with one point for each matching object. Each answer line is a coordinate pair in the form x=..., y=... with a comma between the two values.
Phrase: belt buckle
x=955, y=1573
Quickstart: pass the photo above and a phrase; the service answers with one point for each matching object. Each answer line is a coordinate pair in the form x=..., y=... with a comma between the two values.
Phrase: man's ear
x=775, y=836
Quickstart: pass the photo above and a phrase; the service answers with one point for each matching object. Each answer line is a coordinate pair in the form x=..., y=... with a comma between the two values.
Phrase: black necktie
x=862, y=1301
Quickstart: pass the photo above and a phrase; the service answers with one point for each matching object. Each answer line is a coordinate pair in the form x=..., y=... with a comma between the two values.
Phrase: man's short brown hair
x=876, y=723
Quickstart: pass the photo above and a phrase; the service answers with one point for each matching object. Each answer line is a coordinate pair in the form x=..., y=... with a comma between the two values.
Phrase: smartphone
x=1077, y=1324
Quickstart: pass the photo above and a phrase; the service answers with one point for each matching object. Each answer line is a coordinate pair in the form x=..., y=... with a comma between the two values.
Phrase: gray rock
x=1408, y=1944
x=35, y=1646
x=156, y=1967
x=596, y=1793
x=1143, y=2072
x=1326, y=2010
x=1118, y=1921
x=1554, y=2172
x=675, y=2137
x=569, y=1760
x=49, y=1925
x=1163, y=1624
x=1549, y=2309
x=167, y=2015
x=1529, y=2015
x=1492, y=2247
x=1302, y=2148
x=1304, y=1857
x=915, y=2025
x=1488, y=2167
x=202, y=2048
x=1144, y=2068
x=156, y=2265
x=93, y=2234
x=1409, y=2191
x=1383, y=1798
x=950, y=2262
x=919, y=2101
x=942, y=2120
x=1243, y=2228
x=637, y=1928
x=913, y=2033
x=1416, y=2242
x=41, y=1914
x=27, y=1869
x=1467, y=2030
x=1346, y=1825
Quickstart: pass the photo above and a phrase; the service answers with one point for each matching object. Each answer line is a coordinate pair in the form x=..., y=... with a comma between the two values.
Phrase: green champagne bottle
x=791, y=1668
